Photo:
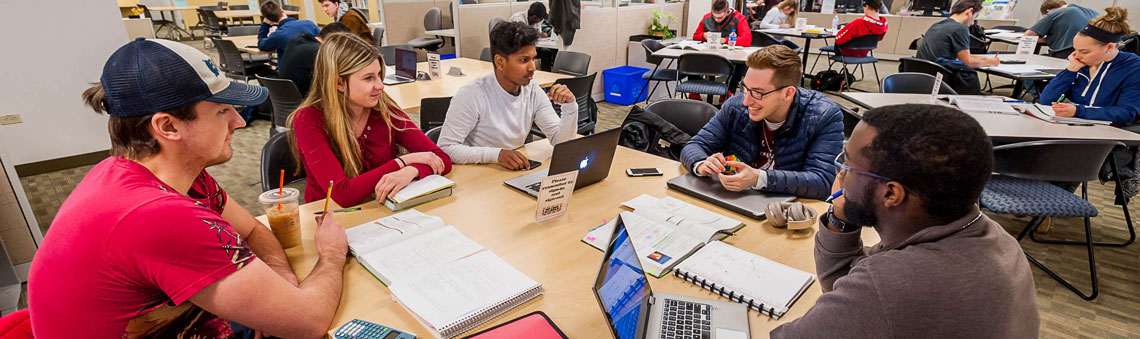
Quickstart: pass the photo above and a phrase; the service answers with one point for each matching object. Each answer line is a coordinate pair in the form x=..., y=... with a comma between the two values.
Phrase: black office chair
x=587, y=108
x=1016, y=29
x=433, y=20
x=234, y=65
x=389, y=53
x=285, y=97
x=433, y=134
x=277, y=155
x=485, y=55
x=914, y=83
x=572, y=63
x=690, y=116
x=917, y=65
x=864, y=43
x=433, y=111
x=1022, y=187
x=1061, y=53
x=160, y=22
x=702, y=69
x=378, y=37
x=211, y=25
x=658, y=74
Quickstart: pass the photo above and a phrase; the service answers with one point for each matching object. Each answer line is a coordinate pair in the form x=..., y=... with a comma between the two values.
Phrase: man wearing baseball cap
x=148, y=244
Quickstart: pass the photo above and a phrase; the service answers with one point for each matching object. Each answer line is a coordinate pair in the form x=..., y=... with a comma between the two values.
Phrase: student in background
x=947, y=43
x=784, y=136
x=491, y=115
x=354, y=18
x=725, y=20
x=535, y=16
x=300, y=54
x=914, y=173
x=783, y=15
x=1100, y=82
x=149, y=245
x=287, y=28
x=870, y=24
x=1060, y=23
x=348, y=131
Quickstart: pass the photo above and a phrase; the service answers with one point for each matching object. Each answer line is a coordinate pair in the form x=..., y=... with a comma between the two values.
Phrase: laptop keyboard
x=684, y=320
x=534, y=186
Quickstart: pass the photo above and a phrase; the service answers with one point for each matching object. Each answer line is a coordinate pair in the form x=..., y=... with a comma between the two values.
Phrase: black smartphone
x=533, y=164
x=643, y=172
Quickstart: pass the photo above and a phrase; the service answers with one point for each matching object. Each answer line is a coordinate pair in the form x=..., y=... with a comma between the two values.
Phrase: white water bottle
x=835, y=23
x=732, y=39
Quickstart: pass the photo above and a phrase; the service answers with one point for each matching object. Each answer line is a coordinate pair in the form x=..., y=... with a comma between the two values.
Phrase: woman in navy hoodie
x=1101, y=82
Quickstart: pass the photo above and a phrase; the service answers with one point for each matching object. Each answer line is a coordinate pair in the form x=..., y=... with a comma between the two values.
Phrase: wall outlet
x=10, y=119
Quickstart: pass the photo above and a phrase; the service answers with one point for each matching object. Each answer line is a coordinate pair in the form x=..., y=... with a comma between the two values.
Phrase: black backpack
x=831, y=80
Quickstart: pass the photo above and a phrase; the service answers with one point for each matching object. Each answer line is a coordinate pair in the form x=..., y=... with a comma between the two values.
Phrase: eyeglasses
x=756, y=94
x=841, y=165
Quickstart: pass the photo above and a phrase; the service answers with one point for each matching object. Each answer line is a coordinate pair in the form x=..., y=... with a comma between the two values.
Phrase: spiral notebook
x=764, y=285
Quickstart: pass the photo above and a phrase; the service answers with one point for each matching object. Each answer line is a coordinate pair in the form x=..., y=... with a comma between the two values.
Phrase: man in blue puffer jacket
x=784, y=137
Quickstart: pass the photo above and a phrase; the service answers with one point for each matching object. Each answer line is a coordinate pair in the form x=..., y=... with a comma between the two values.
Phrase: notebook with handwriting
x=764, y=285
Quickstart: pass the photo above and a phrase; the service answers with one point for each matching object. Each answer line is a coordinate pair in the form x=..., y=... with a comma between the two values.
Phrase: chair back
x=389, y=53
x=862, y=43
x=1017, y=29
x=573, y=63
x=284, y=96
x=378, y=36
x=433, y=134
x=650, y=46
x=581, y=87
x=1053, y=160
x=494, y=21
x=761, y=39
x=485, y=55
x=291, y=7
x=704, y=64
x=239, y=8
x=923, y=66
x=209, y=20
x=690, y=116
x=243, y=30
x=433, y=111
x=223, y=4
x=231, y=60
x=1061, y=53
x=914, y=83
x=277, y=155
x=433, y=20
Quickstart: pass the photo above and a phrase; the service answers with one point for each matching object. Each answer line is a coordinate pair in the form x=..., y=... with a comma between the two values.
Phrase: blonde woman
x=348, y=130
x=783, y=15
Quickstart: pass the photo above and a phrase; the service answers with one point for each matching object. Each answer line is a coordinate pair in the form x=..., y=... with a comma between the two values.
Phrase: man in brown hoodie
x=350, y=17
x=942, y=269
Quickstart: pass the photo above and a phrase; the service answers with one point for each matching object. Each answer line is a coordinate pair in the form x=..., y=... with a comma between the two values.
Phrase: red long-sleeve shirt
x=376, y=144
x=860, y=27
x=737, y=20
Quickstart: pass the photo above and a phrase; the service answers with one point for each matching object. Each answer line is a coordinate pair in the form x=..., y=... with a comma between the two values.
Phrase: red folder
x=535, y=325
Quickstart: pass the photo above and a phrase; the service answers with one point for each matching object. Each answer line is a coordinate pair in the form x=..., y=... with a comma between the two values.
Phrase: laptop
x=590, y=155
x=749, y=202
x=633, y=311
x=405, y=68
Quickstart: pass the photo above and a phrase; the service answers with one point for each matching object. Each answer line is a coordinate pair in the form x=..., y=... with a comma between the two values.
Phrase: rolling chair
x=702, y=69
x=433, y=111
x=690, y=116
x=657, y=74
x=572, y=63
x=277, y=155
x=285, y=97
x=432, y=21
x=914, y=83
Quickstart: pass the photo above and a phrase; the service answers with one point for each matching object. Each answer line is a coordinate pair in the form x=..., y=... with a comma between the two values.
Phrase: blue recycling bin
x=623, y=84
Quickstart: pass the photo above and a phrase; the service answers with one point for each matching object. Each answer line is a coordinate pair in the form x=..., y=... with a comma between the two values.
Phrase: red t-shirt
x=379, y=144
x=125, y=244
x=859, y=27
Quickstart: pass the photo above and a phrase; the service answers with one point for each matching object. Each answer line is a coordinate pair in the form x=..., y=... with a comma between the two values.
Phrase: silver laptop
x=634, y=311
x=590, y=155
x=405, y=68
x=749, y=202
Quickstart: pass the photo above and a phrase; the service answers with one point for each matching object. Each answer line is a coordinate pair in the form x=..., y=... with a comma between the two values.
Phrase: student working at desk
x=273, y=15
x=870, y=24
x=535, y=16
x=724, y=20
x=1060, y=23
x=783, y=15
x=784, y=136
x=947, y=42
x=942, y=268
x=491, y=116
x=149, y=244
x=348, y=130
x=1100, y=81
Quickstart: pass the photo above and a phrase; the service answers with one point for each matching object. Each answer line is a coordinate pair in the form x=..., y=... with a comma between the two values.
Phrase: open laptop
x=749, y=202
x=405, y=68
x=633, y=311
x=590, y=155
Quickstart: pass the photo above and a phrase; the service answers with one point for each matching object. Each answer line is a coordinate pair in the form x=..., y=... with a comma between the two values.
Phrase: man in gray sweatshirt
x=942, y=269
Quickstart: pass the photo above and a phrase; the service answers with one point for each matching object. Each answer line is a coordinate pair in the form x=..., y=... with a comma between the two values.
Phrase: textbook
x=1045, y=112
x=665, y=231
x=447, y=281
x=764, y=285
x=417, y=192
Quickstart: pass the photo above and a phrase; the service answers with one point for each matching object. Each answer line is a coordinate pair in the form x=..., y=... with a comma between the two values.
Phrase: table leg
x=1018, y=88
x=807, y=47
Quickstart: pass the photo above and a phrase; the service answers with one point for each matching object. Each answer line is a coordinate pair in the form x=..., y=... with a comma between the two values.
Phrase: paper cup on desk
x=801, y=23
x=284, y=215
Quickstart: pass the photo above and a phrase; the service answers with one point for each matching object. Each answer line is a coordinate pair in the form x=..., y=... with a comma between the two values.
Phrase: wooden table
x=408, y=95
x=230, y=14
x=244, y=41
x=1003, y=127
x=1045, y=62
x=502, y=220
x=736, y=55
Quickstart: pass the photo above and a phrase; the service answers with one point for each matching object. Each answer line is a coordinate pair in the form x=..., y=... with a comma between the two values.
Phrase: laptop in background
x=590, y=155
x=633, y=311
x=751, y=203
x=405, y=68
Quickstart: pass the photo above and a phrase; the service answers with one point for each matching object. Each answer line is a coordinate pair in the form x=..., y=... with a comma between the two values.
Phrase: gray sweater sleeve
x=834, y=254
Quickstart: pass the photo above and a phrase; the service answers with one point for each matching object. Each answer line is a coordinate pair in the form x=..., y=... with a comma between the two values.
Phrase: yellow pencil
x=327, y=197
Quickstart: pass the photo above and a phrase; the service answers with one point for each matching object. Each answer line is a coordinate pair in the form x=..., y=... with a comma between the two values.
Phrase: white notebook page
x=745, y=273
x=404, y=259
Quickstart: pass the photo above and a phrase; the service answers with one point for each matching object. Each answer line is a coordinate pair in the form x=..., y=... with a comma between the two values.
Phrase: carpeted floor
x=1063, y=314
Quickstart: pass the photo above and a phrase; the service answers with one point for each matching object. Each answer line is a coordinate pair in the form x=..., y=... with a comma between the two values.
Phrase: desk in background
x=502, y=220
x=230, y=14
x=244, y=41
x=408, y=95
x=1041, y=61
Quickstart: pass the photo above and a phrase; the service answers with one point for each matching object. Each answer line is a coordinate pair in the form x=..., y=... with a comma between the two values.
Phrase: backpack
x=648, y=132
x=831, y=80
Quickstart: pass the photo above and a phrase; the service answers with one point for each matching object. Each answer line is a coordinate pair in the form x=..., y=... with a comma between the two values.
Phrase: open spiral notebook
x=764, y=285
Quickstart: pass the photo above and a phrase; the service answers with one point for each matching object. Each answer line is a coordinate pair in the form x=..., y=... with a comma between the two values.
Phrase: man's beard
x=858, y=212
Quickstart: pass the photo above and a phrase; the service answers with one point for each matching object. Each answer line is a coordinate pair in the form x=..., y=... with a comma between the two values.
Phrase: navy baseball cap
x=148, y=76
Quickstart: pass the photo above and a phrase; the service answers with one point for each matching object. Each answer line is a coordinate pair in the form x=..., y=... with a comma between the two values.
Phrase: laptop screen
x=406, y=63
x=622, y=287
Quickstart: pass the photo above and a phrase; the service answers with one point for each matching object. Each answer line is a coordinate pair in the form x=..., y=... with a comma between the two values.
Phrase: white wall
x=46, y=66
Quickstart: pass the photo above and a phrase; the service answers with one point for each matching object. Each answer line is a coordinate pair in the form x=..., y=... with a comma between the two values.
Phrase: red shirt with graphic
x=127, y=251
x=860, y=27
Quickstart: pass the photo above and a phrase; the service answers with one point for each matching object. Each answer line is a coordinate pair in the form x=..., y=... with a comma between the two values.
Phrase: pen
x=834, y=195
x=1062, y=98
x=354, y=209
